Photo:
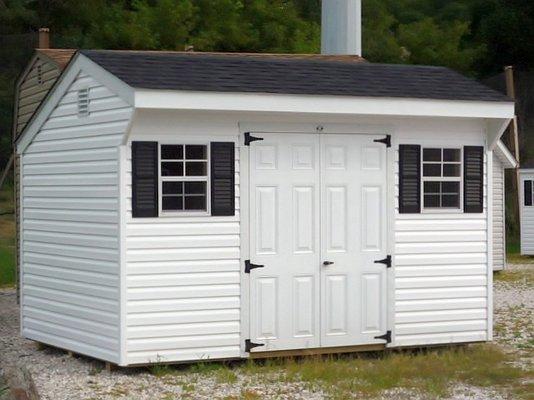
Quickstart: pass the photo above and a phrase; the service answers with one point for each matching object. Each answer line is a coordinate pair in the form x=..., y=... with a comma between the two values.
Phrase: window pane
x=196, y=152
x=431, y=169
x=431, y=154
x=172, y=169
x=432, y=187
x=450, y=200
x=195, y=202
x=172, y=188
x=431, y=201
x=451, y=187
x=451, y=169
x=172, y=152
x=172, y=203
x=195, y=187
x=196, y=169
x=451, y=154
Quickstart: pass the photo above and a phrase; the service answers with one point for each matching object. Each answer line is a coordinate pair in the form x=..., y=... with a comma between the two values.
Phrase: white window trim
x=450, y=210
x=207, y=179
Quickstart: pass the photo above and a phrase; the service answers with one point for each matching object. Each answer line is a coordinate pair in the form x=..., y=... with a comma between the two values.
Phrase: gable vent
x=40, y=74
x=83, y=102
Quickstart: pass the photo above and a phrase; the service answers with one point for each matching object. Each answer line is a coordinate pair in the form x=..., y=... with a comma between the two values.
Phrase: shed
x=183, y=206
x=502, y=159
x=31, y=87
x=526, y=178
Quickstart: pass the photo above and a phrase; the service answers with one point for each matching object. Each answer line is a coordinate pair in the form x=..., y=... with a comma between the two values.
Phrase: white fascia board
x=78, y=64
x=526, y=170
x=505, y=156
x=312, y=104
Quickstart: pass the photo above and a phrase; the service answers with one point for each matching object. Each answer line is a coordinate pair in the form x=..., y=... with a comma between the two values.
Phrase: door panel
x=353, y=183
x=284, y=223
x=314, y=199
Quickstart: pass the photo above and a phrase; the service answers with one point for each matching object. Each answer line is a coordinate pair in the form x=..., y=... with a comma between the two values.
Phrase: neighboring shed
x=502, y=160
x=31, y=88
x=184, y=206
x=526, y=178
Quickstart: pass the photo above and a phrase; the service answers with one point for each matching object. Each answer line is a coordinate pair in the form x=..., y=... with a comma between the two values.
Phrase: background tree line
x=475, y=37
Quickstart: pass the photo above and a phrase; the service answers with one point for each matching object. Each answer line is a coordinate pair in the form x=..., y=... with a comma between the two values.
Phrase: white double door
x=317, y=225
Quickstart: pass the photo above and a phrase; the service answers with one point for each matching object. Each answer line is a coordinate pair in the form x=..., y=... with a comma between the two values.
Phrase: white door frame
x=257, y=128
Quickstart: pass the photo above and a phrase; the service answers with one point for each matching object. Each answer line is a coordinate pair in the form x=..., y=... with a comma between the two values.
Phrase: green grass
x=7, y=237
x=523, y=276
x=429, y=373
x=513, y=254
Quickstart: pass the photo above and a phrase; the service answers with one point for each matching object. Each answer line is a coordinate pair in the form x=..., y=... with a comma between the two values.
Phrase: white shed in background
x=502, y=160
x=526, y=177
x=172, y=211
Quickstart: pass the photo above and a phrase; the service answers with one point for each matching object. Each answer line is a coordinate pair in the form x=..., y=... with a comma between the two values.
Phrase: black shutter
x=409, y=178
x=473, y=179
x=528, y=193
x=222, y=178
x=144, y=179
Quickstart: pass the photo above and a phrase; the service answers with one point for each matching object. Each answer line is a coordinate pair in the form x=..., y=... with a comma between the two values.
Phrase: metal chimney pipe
x=44, y=38
x=341, y=27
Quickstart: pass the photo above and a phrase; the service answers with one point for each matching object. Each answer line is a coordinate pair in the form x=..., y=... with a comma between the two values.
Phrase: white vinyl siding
x=527, y=216
x=70, y=225
x=499, y=232
x=441, y=285
x=182, y=283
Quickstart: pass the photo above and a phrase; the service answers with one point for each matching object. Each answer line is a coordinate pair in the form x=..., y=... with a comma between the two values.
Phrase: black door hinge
x=386, y=141
x=249, y=266
x=386, y=336
x=386, y=261
x=250, y=345
x=249, y=138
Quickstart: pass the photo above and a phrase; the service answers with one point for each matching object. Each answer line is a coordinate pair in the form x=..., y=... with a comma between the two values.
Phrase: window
x=441, y=178
x=527, y=189
x=183, y=177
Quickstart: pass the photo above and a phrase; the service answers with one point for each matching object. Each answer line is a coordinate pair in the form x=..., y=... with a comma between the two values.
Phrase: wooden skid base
x=317, y=351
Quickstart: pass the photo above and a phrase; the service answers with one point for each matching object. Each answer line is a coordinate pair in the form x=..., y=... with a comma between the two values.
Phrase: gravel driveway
x=59, y=376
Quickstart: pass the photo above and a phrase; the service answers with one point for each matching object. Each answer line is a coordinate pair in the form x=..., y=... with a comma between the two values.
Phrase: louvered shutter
x=409, y=178
x=144, y=179
x=473, y=179
x=528, y=193
x=222, y=178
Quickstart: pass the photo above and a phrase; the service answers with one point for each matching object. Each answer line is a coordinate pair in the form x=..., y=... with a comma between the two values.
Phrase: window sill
x=442, y=211
x=178, y=214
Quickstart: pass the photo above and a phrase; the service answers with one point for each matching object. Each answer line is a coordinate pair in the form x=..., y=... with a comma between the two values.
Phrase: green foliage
x=7, y=237
x=475, y=37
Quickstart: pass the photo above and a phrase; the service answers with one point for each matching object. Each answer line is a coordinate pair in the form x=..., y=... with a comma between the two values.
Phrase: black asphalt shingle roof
x=287, y=75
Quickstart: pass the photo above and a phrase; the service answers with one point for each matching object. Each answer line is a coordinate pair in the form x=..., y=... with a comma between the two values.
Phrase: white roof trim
x=505, y=156
x=292, y=103
x=79, y=63
x=526, y=170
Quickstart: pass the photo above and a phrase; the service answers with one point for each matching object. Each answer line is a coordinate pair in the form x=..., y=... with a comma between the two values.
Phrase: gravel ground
x=513, y=317
x=59, y=376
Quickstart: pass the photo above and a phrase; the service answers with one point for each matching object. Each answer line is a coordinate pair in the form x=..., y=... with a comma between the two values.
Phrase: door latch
x=327, y=263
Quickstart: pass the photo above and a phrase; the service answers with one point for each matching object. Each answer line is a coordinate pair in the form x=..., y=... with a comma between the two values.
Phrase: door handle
x=327, y=263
